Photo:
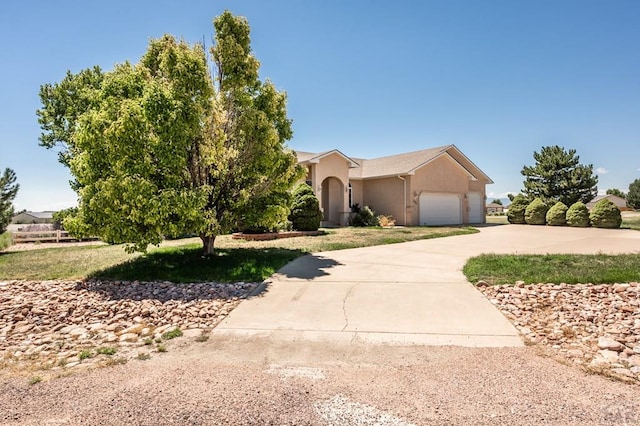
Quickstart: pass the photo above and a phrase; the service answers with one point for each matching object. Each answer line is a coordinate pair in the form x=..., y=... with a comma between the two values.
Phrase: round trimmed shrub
x=305, y=213
x=536, y=212
x=605, y=214
x=578, y=215
x=557, y=214
x=516, y=209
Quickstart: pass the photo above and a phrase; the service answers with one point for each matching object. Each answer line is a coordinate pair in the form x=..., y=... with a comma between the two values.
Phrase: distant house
x=437, y=186
x=33, y=217
x=495, y=208
x=618, y=201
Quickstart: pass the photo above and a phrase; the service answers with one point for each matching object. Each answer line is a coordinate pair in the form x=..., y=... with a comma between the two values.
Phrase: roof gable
x=312, y=158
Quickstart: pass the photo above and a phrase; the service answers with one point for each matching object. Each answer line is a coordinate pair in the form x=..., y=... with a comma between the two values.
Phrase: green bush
x=516, y=209
x=578, y=215
x=363, y=217
x=557, y=215
x=536, y=212
x=305, y=213
x=5, y=240
x=605, y=214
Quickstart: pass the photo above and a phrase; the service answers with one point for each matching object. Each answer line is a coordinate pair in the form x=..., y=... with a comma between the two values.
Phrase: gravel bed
x=54, y=325
x=596, y=327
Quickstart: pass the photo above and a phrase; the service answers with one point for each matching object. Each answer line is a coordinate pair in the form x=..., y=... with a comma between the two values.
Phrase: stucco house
x=618, y=201
x=495, y=208
x=437, y=186
x=33, y=217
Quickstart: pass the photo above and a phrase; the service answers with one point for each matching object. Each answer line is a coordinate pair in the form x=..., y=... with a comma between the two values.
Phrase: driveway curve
x=407, y=293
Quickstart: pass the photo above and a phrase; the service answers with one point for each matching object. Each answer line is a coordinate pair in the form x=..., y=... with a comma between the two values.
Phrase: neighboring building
x=618, y=201
x=438, y=186
x=495, y=208
x=32, y=217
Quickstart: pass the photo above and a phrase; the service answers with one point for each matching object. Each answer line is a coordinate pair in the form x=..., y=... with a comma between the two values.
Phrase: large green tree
x=616, y=192
x=633, y=196
x=559, y=176
x=8, y=190
x=162, y=147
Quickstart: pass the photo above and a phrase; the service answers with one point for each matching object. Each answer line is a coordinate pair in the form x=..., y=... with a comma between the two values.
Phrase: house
x=437, y=186
x=618, y=201
x=495, y=208
x=33, y=217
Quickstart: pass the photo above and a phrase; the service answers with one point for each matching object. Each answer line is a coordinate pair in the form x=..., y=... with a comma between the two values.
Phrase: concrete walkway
x=409, y=294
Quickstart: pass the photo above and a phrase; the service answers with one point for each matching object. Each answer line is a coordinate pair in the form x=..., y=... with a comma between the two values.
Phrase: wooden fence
x=33, y=236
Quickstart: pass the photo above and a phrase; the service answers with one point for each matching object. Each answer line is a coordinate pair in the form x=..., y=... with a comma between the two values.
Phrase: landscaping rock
x=50, y=322
x=595, y=326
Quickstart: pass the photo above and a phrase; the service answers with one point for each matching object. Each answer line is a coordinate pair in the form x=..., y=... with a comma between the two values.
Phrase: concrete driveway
x=408, y=294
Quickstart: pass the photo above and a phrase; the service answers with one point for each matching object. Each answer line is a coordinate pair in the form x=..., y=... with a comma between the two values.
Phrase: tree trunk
x=207, y=244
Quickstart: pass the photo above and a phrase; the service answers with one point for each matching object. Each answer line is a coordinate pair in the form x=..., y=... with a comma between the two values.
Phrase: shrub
x=557, y=215
x=536, y=212
x=5, y=240
x=578, y=215
x=516, y=209
x=364, y=217
x=386, y=221
x=605, y=214
x=305, y=213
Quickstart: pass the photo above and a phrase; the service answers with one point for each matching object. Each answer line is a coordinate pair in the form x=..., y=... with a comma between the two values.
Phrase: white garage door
x=440, y=209
x=476, y=208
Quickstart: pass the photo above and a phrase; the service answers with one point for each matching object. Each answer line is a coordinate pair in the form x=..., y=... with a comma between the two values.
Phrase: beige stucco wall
x=356, y=192
x=385, y=196
x=440, y=176
x=332, y=166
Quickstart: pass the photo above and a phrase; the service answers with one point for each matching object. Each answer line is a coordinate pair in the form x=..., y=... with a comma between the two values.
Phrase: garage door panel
x=440, y=209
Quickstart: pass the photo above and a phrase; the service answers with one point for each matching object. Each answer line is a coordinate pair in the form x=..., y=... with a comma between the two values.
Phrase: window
x=350, y=190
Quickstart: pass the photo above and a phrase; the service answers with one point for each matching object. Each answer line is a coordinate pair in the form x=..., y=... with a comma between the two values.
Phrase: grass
x=176, y=332
x=107, y=350
x=5, y=240
x=35, y=380
x=181, y=260
x=631, y=223
x=553, y=268
x=85, y=354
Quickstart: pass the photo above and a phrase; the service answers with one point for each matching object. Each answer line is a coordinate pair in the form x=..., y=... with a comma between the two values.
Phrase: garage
x=440, y=209
x=476, y=207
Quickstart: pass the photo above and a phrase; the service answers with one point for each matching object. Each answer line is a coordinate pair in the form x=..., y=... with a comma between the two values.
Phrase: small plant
x=536, y=212
x=363, y=217
x=161, y=348
x=148, y=341
x=85, y=354
x=106, y=351
x=172, y=334
x=143, y=356
x=115, y=361
x=35, y=380
x=386, y=221
x=557, y=215
x=203, y=337
x=158, y=340
x=62, y=362
x=605, y=214
x=578, y=215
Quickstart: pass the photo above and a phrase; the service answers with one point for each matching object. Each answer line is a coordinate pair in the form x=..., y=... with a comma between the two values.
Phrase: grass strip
x=181, y=260
x=553, y=268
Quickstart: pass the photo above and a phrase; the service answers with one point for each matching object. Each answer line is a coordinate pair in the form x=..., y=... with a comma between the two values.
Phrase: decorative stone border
x=275, y=235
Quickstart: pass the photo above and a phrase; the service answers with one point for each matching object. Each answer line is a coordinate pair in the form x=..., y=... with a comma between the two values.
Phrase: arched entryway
x=332, y=202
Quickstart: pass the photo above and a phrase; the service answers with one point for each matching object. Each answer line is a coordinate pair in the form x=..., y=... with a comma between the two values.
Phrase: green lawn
x=557, y=268
x=181, y=261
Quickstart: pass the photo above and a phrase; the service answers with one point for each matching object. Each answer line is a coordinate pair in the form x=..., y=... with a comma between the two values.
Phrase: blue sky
x=497, y=78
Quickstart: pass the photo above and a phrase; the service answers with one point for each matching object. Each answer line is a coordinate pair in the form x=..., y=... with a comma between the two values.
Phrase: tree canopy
x=8, y=190
x=633, y=196
x=617, y=192
x=559, y=176
x=163, y=148
x=497, y=201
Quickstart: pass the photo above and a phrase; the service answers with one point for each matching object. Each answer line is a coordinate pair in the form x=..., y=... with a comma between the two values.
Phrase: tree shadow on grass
x=187, y=265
